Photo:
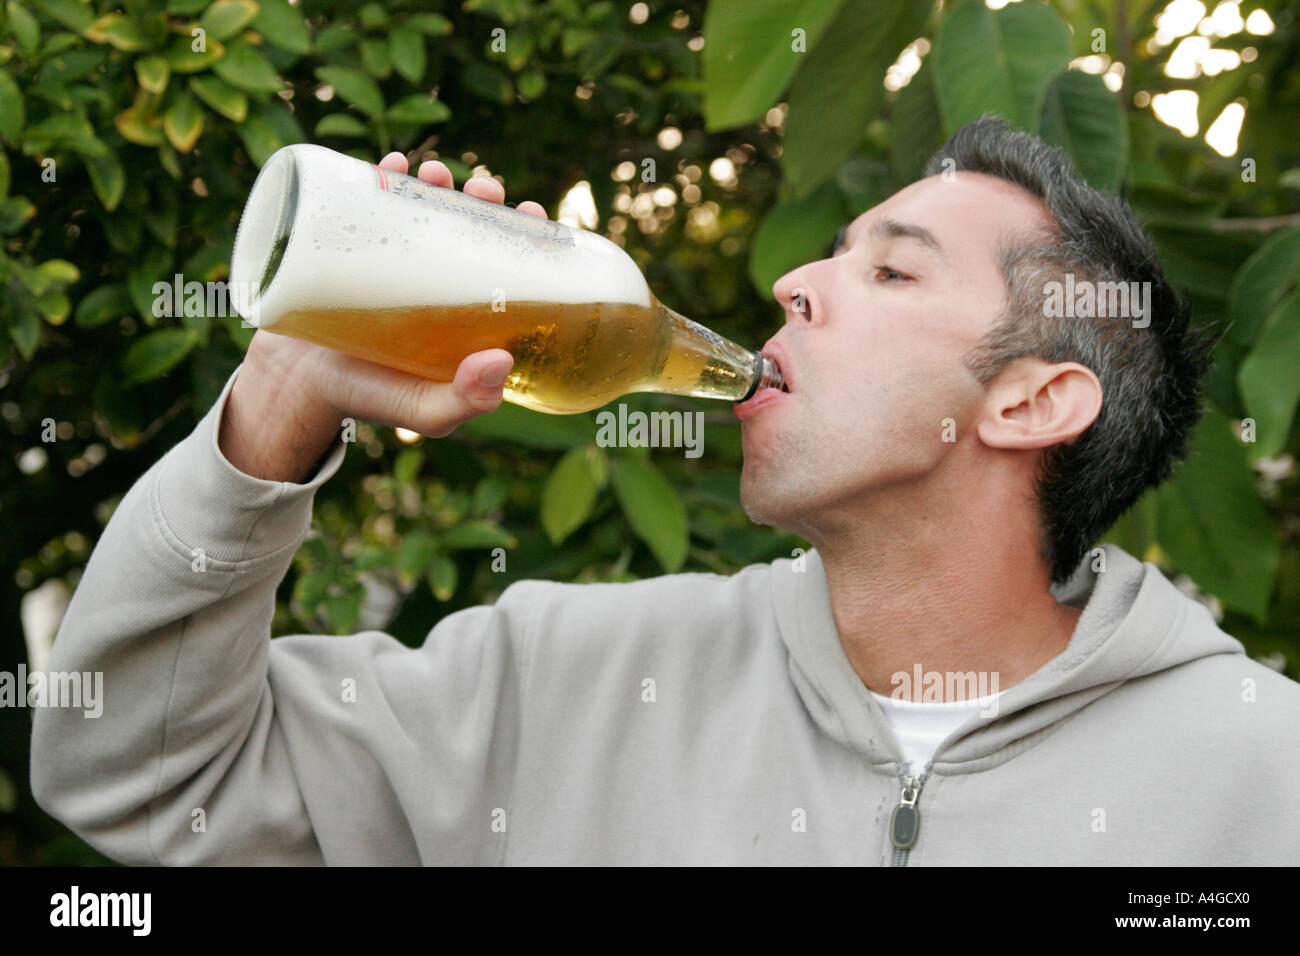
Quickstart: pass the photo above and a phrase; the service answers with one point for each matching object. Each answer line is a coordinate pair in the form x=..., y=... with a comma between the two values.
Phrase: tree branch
x=1264, y=224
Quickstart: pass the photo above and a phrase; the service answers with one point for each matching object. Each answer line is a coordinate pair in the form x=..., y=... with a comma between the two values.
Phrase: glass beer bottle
x=413, y=276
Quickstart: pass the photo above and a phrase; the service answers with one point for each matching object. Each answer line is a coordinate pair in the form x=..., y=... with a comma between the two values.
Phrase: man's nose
x=795, y=295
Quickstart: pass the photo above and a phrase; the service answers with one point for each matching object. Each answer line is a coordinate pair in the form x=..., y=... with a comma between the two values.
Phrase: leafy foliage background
x=155, y=143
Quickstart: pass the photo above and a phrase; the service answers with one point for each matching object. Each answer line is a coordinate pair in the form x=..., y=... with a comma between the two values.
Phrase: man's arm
x=217, y=745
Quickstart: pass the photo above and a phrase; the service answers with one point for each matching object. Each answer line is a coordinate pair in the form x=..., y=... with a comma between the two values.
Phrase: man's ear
x=1035, y=404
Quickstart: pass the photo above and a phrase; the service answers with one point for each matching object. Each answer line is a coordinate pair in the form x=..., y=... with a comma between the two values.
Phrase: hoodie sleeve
x=215, y=744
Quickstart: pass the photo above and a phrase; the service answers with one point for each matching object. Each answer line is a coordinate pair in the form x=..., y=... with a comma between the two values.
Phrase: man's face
x=873, y=350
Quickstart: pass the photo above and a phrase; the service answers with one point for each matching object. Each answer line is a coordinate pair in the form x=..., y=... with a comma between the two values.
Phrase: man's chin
x=764, y=508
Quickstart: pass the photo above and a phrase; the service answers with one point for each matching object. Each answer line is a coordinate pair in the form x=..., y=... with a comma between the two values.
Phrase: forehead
x=970, y=214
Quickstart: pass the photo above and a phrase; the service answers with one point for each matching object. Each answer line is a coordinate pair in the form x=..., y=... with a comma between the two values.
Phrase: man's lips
x=764, y=397
x=752, y=406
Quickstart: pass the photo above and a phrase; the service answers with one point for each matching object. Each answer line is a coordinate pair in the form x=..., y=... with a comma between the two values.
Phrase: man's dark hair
x=1150, y=377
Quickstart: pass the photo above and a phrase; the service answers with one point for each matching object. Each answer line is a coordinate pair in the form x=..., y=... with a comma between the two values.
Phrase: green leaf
x=486, y=83
x=1199, y=260
x=246, y=68
x=11, y=108
x=750, y=55
x=4, y=175
x=226, y=18
x=221, y=96
x=281, y=121
x=568, y=496
x=1269, y=378
x=1212, y=523
x=414, y=554
x=102, y=305
x=139, y=127
x=107, y=177
x=406, y=48
x=73, y=14
x=118, y=30
x=58, y=273
x=373, y=16
x=375, y=58
x=311, y=587
x=989, y=61
x=843, y=78
x=915, y=130
x=432, y=24
x=152, y=72
x=332, y=36
x=343, y=611
x=25, y=330
x=407, y=465
x=63, y=68
x=1266, y=278
x=1087, y=120
x=260, y=138
x=353, y=87
x=183, y=58
x=282, y=25
x=490, y=494
x=31, y=277
x=418, y=108
x=55, y=306
x=442, y=576
x=514, y=425
x=653, y=509
x=62, y=130
x=476, y=533
x=183, y=123
x=14, y=214
x=209, y=262
x=24, y=27
x=155, y=354
x=341, y=124
x=531, y=84
x=793, y=232
x=154, y=267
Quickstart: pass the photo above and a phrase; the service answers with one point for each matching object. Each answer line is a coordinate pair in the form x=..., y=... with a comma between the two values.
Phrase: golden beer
x=416, y=277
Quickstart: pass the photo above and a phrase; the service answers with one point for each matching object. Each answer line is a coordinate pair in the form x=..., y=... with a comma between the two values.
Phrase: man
x=952, y=452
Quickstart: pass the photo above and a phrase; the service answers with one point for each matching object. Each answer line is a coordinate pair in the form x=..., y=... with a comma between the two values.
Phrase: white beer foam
x=355, y=245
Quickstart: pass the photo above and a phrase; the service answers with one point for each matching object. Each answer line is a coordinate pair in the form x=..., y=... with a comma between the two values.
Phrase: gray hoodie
x=690, y=718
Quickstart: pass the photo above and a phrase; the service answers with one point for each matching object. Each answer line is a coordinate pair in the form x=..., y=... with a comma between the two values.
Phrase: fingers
x=532, y=208
x=436, y=172
x=386, y=396
x=476, y=390
x=485, y=187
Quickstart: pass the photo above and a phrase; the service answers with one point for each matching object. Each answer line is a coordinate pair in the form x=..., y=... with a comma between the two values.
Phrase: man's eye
x=888, y=274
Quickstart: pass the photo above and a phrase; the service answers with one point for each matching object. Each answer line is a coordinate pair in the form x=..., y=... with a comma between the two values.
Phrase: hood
x=1134, y=623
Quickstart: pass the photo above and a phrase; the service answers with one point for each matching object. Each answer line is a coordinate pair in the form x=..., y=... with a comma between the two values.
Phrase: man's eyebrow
x=893, y=229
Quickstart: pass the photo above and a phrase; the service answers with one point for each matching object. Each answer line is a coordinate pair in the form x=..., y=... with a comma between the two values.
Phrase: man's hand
x=291, y=396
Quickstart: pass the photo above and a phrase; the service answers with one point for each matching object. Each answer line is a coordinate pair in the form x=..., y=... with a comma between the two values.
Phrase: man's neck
x=949, y=593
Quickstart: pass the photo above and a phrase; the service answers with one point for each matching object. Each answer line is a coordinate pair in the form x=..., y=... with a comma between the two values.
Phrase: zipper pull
x=905, y=821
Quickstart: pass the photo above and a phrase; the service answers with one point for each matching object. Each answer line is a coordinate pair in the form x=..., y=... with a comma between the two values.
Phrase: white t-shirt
x=921, y=728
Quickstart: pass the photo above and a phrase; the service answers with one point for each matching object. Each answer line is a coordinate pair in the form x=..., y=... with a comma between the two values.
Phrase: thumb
x=475, y=390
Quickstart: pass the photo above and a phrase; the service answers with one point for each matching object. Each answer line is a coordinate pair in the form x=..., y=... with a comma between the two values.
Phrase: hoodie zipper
x=905, y=821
